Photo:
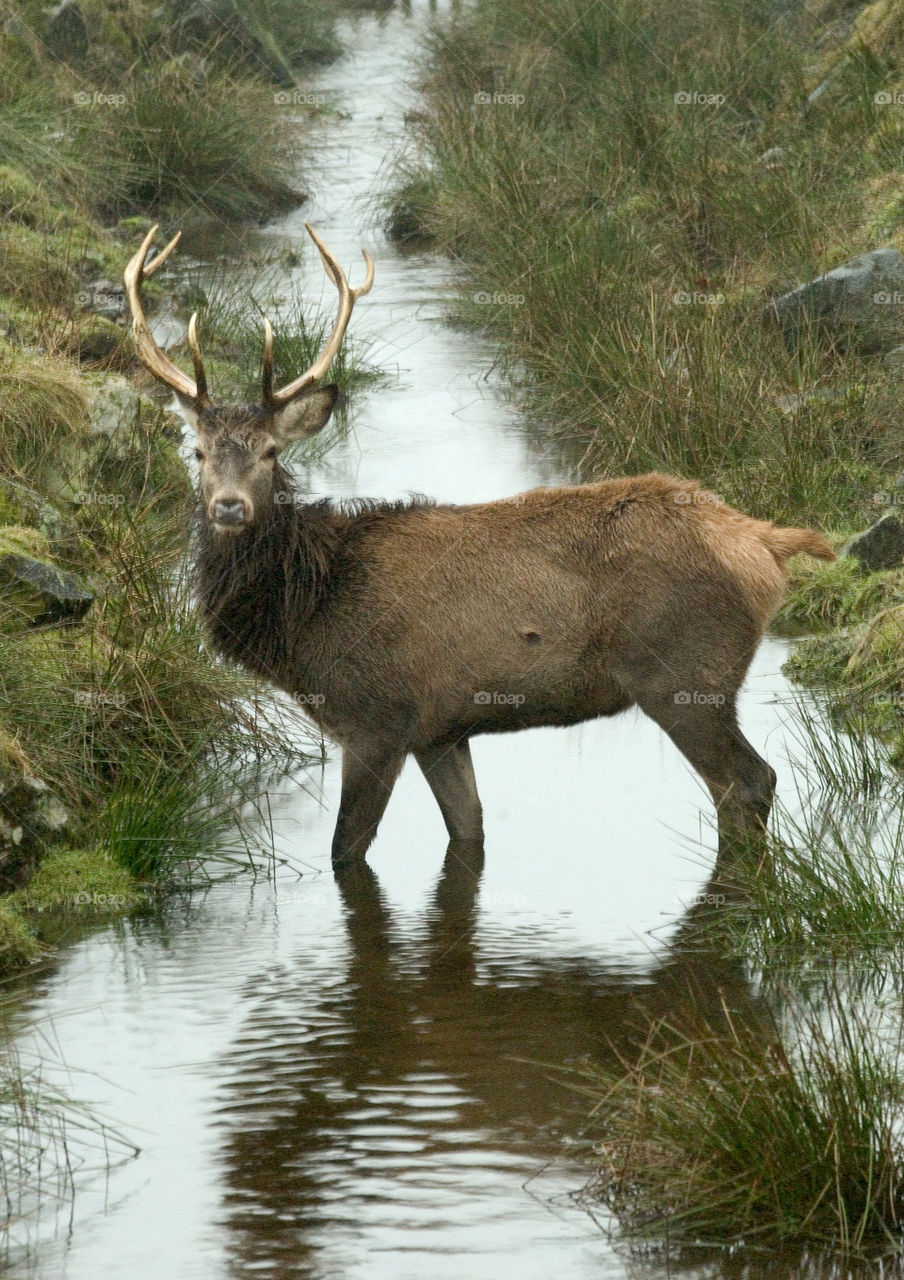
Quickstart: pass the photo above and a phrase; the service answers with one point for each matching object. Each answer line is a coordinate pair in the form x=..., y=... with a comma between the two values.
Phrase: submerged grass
x=49, y=1139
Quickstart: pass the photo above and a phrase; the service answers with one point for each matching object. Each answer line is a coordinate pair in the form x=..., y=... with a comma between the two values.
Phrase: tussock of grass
x=839, y=593
x=198, y=139
x=231, y=325
x=18, y=944
x=79, y=883
x=723, y=1137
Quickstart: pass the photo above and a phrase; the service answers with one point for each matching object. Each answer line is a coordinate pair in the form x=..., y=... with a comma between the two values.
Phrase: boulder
x=31, y=816
x=20, y=505
x=879, y=547
x=104, y=297
x=66, y=35
x=859, y=305
x=33, y=591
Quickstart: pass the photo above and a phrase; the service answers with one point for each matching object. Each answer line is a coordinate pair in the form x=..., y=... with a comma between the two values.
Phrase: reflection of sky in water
x=323, y=1093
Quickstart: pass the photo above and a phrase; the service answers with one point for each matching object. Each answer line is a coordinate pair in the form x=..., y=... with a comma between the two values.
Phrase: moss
x=18, y=944
x=78, y=884
x=16, y=540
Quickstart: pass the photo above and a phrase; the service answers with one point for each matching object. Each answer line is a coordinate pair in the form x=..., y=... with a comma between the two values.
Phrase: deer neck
x=258, y=591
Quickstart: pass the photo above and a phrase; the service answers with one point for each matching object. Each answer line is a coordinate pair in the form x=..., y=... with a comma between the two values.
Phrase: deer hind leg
x=369, y=773
x=450, y=773
x=740, y=781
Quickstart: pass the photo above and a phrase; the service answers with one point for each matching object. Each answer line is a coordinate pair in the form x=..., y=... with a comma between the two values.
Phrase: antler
x=347, y=299
x=153, y=357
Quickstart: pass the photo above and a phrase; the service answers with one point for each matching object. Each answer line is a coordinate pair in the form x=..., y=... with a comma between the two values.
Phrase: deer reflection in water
x=413, y=1088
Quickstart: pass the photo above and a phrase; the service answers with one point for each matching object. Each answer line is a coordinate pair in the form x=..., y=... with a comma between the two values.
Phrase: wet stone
x=40, y=592
x=859, y=305
x=879, y=547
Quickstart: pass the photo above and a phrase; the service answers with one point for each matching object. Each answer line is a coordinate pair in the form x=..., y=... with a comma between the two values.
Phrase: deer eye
x=199, y=454
x=271, y=452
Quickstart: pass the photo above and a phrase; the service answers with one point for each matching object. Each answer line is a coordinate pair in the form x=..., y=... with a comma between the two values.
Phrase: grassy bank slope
x=125, y=749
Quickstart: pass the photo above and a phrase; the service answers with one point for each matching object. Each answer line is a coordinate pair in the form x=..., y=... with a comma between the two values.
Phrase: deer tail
x=791, y=542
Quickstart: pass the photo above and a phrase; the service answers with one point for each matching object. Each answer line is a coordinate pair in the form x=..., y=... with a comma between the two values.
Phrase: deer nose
x=229, y=512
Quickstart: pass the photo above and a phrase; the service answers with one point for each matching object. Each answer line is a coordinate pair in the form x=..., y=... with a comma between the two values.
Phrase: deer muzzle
x=230, y=516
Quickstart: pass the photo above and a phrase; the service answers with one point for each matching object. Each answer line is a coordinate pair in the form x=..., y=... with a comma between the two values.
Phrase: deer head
x=238, y=445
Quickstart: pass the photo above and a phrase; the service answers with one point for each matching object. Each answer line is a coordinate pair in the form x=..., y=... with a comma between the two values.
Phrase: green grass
x=627, y=242
x=755, y=1133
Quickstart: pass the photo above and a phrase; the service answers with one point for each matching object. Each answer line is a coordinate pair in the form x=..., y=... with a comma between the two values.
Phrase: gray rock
x=879, y=547
x=104, y=297
x=40, y=592
x=774, y=158
x=117, y=405
x=21, y=505
x=66, y=36
x=31, y=817
x=859, y=305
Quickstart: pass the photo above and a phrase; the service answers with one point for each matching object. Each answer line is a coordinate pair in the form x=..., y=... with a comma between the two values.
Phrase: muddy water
x=360, y=1083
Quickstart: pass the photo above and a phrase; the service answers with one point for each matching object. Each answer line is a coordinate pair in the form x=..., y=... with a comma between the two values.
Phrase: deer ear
x=307, y=414
x=189, y=410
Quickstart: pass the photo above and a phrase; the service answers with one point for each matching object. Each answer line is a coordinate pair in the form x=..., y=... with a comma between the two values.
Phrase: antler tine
x=347, y=299
x=151, y=355
x=267, y=368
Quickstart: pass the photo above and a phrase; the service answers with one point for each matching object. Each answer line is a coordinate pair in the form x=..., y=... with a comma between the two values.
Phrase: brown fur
x=410, y=627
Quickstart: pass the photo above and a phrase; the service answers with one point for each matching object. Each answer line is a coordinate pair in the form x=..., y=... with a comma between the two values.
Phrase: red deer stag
x=411, y=627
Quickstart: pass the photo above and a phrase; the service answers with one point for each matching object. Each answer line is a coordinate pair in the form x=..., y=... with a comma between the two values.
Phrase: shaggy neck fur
x=258, y=590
